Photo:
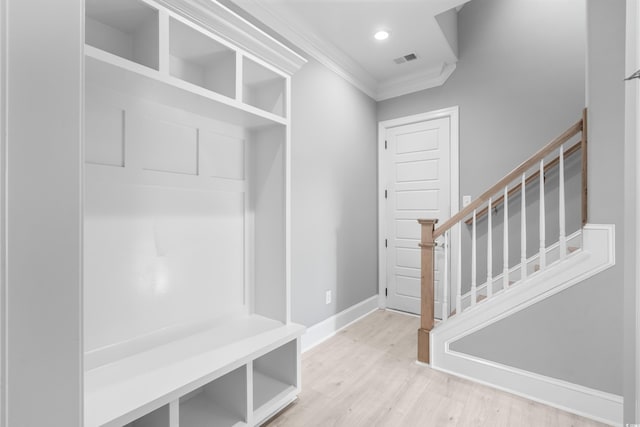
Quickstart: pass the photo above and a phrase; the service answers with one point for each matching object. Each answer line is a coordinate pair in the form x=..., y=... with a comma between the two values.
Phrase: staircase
x=514, y=277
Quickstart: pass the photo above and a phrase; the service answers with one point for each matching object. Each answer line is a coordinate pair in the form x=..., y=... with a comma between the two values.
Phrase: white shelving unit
x=197, y=58
x=128, y=29
x=186, y=213
x=263, y=88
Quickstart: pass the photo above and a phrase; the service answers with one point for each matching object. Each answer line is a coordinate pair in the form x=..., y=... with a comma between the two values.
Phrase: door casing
x=453, y=114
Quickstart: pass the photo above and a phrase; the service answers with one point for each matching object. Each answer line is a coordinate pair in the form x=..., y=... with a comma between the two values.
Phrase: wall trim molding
x=224, y=23
x=282, y=22
x=414, y=83
x=327, y=328
x=597, y=254
x=632, y=214
x=584, y=401
x=453, y=114
x=285, y=23
x=3, y=214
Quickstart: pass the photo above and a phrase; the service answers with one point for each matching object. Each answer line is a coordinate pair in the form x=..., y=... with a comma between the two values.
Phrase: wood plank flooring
x=367, y=376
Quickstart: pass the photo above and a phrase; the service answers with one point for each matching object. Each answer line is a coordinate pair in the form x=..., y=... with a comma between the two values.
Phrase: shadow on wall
x=573, y=188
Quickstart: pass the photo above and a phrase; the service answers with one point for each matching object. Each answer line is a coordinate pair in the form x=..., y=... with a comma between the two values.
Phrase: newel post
x=426, y=288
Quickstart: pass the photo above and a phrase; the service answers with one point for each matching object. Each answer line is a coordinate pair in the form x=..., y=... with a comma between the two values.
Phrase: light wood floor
x=367, y=376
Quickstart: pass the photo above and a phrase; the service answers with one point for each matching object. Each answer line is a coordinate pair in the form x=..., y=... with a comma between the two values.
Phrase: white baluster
x=505, y=241
x=459, y=271
x=445, y=290
x=563, y=237
x=489, y=252
x=474, y=295
x=543, y=246
x=523, y=231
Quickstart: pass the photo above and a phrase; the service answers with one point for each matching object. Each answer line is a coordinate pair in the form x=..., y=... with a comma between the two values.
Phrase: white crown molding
x=284, y=22
x=225, y=23
x=287, y=24
x=422, y=80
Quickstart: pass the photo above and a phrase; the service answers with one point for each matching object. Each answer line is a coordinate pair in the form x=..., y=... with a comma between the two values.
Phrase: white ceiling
x=339, y=33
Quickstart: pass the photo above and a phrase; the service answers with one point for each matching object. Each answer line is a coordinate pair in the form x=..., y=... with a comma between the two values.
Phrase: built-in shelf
x=198, y=59
x=107, y=70
x=221, y=403
x=185, y=244
x=159, y=418
x=125, y=28
x=274, y=378
x=126, y=387
x=263, y=88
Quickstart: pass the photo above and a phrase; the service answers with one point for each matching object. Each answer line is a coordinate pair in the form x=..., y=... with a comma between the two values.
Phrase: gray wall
x=567, y=335
x=334, y=196
x=520, y=81
x=42, y=213
x=631, y=278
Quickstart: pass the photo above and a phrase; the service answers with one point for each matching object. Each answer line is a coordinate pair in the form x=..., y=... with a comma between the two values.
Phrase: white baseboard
x=584, y=401
x=329, y=327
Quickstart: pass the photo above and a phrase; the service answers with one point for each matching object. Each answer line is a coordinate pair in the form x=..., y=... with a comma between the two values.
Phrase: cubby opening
x=158, y=418
x=274, y=375
x=200, y=60
x=126, y=28
x=263, y=88
x=221, y=403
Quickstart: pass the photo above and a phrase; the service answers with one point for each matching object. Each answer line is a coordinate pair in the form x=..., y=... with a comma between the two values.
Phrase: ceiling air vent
x=406, y=58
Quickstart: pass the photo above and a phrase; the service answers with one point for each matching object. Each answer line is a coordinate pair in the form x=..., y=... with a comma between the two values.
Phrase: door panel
x=417, y=162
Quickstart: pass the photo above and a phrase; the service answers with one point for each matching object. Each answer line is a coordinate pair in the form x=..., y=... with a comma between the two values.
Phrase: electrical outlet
x=327, y=297
x=465, y=201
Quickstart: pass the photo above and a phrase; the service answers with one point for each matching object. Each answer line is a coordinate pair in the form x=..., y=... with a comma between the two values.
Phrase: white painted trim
x=241, y=33
x=3, y=217
x=584, y=401
x=632, y=205
x=415, y=82
x=279, y=18
x=597, y=255
x=287, y=201
x=454, y=120
x=324, y=330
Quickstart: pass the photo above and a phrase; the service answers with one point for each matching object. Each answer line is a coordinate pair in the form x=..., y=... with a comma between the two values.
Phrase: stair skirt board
x=597, y=255
x=574, y=244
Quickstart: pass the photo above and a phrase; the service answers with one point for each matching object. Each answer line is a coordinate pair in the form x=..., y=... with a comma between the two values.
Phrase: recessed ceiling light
x=381, y=35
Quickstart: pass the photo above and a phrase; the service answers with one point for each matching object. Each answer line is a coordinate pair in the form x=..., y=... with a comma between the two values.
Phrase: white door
x=417, y=162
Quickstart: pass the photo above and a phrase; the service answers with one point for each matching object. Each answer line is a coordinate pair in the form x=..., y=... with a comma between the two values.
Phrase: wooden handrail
x=511, y=176
x=516, y=188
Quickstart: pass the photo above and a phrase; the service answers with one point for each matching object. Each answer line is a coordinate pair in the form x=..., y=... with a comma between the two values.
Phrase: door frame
x=454, y=169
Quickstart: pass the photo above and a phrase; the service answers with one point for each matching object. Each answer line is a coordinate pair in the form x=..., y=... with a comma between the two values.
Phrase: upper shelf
x=125, y=28
x=201, y=60
x=133, y=47
x=263, y=88
x=105, y=69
